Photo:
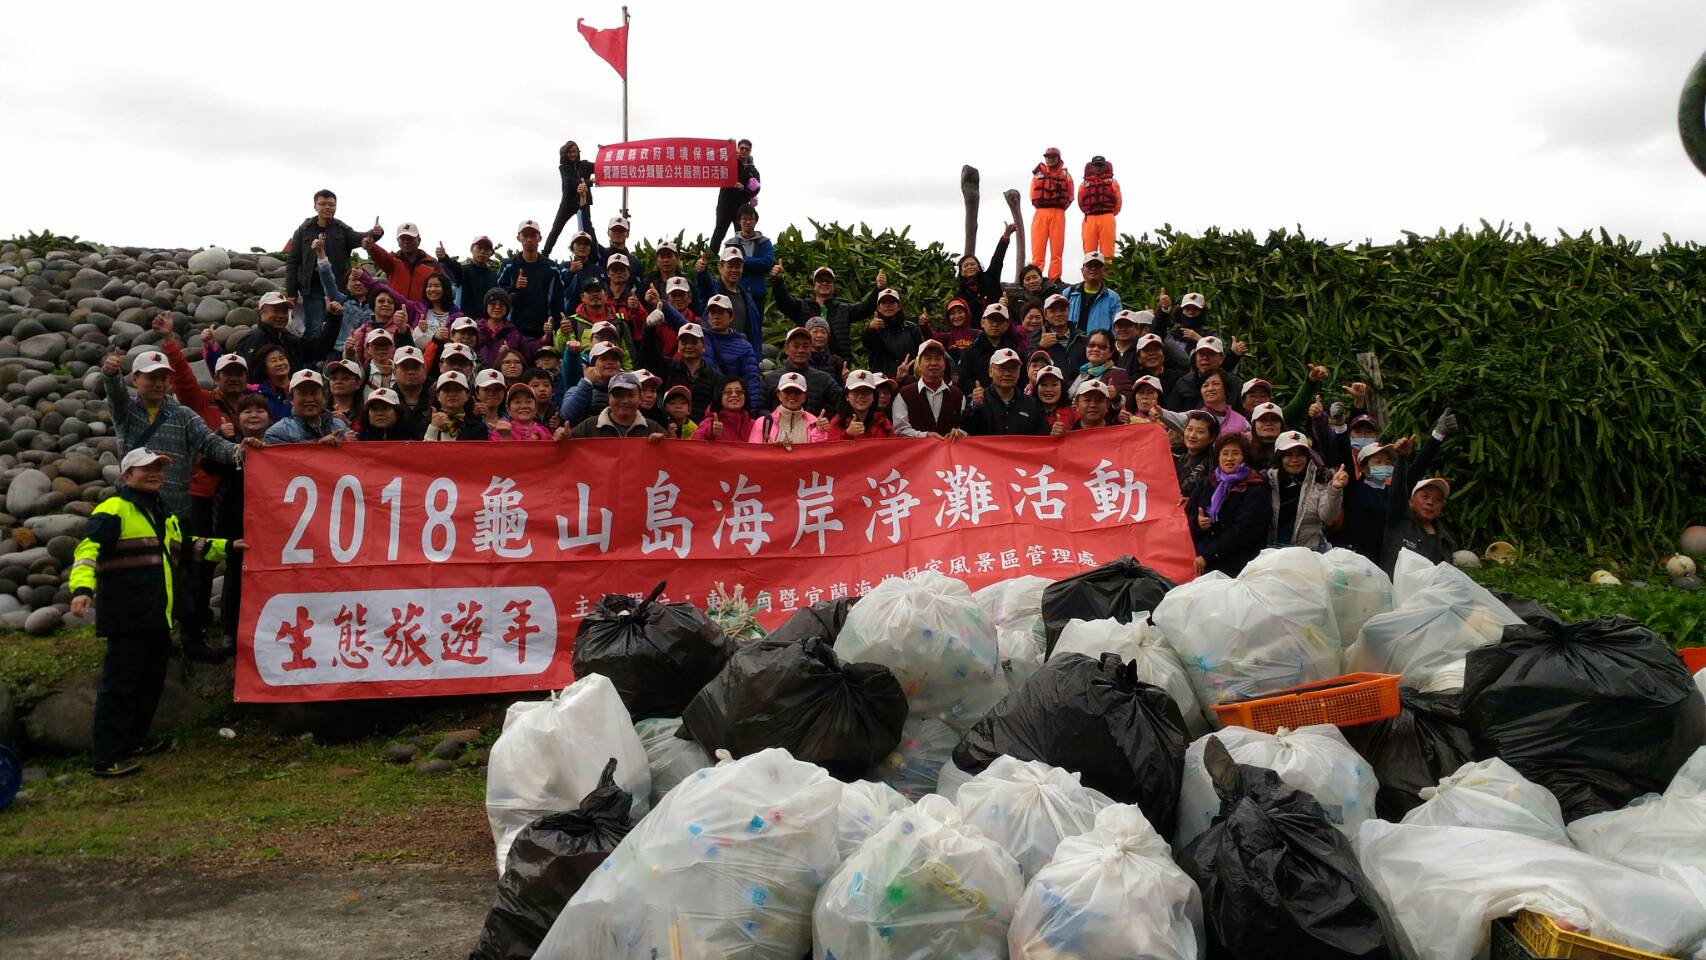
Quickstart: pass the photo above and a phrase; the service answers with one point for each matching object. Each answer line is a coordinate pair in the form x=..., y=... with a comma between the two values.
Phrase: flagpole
x=629, y=64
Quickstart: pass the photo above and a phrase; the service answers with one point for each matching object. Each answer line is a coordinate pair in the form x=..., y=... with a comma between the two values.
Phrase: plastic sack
x=1532, y=612
x=657, y=654
x=865, y=807
x=1443, y=886
x=1441, y=615
x=951, y=778
x=1277, y=878
x=1598, y=712
x=914, y=765
x=1271, y=627
x=930, y=632
x=926, y=885
x=1028, y=808
x=822, y=619
x=548, y=862
x=1490, y=795
x=1424, y=742
x=1095, y=718
x=728, y=865
x=671, y=757
x=1111, y=892
x=1014, y=608
x=1138, y=642
x=1359, y=588
x=1661, y=835
x=1316, y=759
x=1700, y=681
x=799, y=696
x=551, y=752
x=1121, y=590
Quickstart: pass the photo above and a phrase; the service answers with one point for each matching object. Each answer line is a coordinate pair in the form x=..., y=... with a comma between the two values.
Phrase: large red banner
x=669, y=162
x=414, y=569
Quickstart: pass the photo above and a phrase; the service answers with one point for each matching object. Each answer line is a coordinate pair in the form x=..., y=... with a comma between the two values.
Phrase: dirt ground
x=276, y=911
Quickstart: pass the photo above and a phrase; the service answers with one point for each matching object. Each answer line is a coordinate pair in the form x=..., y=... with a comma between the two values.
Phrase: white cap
x=1002, y=356
x=691, y=330
x=617, y=222
x=646, y=376
x=730, y=253
x=579, y=234
x=1144, y=318
x=458, y=350
x=888, y=293
x=822, y=270
x=409, y=230
x=1266, y=410
x=449, y=377
x=464, y=323
x=1049, y=371
x=149, y=361
x=664, y=245
x=1194, y=300
x=383, y=395
x=530, y=225
x=614, y=259
x=720, y=300
x=409, y=355
x=379, y=333
x=1106, y=389
x=797, y=331
x=1209, y=343
x=677, y=283
x=348, y=366
x=601, y=348
x=1371, y=450
x=1291, y=440
x=1055, y=298
x=488, y=378
x=301, y=377
x=791, y=381
x=932, y=344
x=482, y=238
x=271, y=297
x=1147, y=381
x=230, y=360
x=1252, y=383
x=603, y=327
x=1439, y=482
x=1149, y=340
x=1126, y=316
x=861, y=380
x=140, y=457
x=1094, y=256
x=996, y=310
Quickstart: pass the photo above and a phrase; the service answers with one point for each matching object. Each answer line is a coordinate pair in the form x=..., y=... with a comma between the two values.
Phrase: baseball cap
x=1125, y=316
x=464, y=323
x=482, y=238
x=409, y=230
x=488, y=378
x=1146, y=381
x=996, y=310
x=230, y=360
x=1144, y=318
x=592, y=283
x=679, y=390
x=601, y=348
x=861, y=380
x=452, y=377
x=796, y=332
x=1364, y=420
x=690, y=330
x=719, y=302
x=1291, y=440
x=1051, y=371
x=1052, y=152
x=140, y=457
x=1003, y=356
x=665, y=245
x=271, y=297
x=932, y=345
x=149, y=361
x=820, y=271
x=646, y=376
x=1148, y=340
x=817, y=323
x=382, y=395
x=347, y=366
x=791, y=381
x=1194, y=300
x=887, y=293
x=409, y=355
x=379, y=333
x=517, y=387
x=677, y=283
x=309, y=377
x=616, y=222
x=730, y=254
x=1439, y=482
x=579, y=235
x=1055, y=298
x=603, y=327
x=533, y=225
x=1043, y=354
x=1266, y=410
x=1105, y=389
x=623, y=381
x=615, y=258
x=1371, y=450
x=1094, y=256
x=458, y=350
x=1253, y=382
x=1209, y=343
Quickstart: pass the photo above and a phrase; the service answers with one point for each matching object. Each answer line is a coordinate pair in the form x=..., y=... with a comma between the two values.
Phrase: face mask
x=1380, y=472
x=1357, y=443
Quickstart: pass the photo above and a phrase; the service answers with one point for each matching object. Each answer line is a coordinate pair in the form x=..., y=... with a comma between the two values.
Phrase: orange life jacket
x=1051, y=188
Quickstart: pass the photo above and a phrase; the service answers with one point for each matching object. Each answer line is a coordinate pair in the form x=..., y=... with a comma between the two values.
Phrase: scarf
x=1224, y=483
x=1096, y=372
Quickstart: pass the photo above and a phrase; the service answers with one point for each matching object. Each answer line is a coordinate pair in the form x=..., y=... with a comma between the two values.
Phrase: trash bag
x=1138, y=642
x=1095, y=718
x=671, y=755
x=1490, y=795
x=1700, y=681
x=1315, y=758
x=548, y=862
x=1271, y=627
x=822, y=619
x=1661, y=835
x=926, y=885
x=1028, y=808
x=1277, y=878
x=930, y=632
x=728, y=865
x=1122, y=590
x=1111, y=892
x=798, y=695
x=865, y=807
x=1014, y=608
x=1598, y=712
x=1359, y=588
x=950, y=779
x=1531, y=612
x=914, y=765
x=1441, y=615
x=550, y=753
x=657, y=654
x=1443, y=886
x=1413, y=750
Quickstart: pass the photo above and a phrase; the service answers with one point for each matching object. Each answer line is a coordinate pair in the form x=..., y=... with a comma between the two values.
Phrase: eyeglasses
x=1095, y=346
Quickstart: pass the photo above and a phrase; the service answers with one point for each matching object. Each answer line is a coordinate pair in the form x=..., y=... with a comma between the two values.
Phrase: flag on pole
x=612, y=45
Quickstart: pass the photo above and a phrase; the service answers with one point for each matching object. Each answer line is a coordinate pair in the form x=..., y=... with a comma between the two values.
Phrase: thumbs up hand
x=1203, y=522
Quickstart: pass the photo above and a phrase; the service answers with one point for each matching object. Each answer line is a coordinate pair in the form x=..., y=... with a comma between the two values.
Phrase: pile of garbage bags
x=657, y=654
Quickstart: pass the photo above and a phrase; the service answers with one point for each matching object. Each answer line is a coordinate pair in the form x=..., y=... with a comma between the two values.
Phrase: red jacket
x=410, y=281
x=1099, y=194
x=207, y=406
x=880, y=428
x=1051, y=188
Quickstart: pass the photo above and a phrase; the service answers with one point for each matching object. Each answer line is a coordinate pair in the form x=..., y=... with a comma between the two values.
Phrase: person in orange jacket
x=406, y=270
x=1099, y=200
x=1051, y=194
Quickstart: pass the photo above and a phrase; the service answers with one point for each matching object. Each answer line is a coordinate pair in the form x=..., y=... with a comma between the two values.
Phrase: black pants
x=568, y=207
x=231, y=597
x=132, y=676
x=195, y=583
x=725, y=220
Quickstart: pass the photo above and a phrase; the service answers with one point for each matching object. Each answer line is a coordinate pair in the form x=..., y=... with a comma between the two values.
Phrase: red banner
x=670, y=162
x=416, y=569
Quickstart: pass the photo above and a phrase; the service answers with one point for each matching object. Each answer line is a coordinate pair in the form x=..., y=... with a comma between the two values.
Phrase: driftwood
x=969, y=190
x=1017, y=251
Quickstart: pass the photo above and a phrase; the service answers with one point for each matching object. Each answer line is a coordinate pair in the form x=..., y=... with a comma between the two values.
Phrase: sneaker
x=150, y=748
x=118, y=768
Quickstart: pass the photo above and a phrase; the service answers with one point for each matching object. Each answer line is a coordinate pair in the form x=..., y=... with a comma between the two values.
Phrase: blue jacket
x=294, y=429
x=704, y=288
x=1101, y=315
x=729, y=352
x=759, y=255
x=544, y=298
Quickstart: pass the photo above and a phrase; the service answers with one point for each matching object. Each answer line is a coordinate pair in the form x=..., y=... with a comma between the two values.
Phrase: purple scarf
x=1223, y=484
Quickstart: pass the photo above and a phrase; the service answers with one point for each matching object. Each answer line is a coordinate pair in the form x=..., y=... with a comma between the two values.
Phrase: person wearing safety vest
x=132, y=547
x=1100, y=201
x=1051, y=194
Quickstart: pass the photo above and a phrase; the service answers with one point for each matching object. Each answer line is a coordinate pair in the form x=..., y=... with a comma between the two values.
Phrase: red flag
x=612, y=45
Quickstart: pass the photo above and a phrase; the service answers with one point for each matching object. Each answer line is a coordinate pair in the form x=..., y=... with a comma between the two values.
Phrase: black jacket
x=543, y=298
x=899, y=339
x=302, y=351
x=1242, y=530
x=472, y=282
x=974, y=364
x=997, y=418
x=823, y=392
x=1369, y=508
x=985, y=288
x=1403, y=531
x=840, y=314
x=1186, y=392
x=573, y=173
x=341, y=242
x=730, y=199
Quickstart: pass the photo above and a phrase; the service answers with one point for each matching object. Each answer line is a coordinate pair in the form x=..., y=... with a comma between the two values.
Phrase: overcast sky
x=189, y=124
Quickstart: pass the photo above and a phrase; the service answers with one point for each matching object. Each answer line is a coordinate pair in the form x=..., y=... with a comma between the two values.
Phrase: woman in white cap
x=523, y=408
x=489, y=389
x=1306, y=497
x=1230, y=511
x=858, y=417
x=388, y=315
x=344, y=389
x=270, y=369
x=1371, y=501
x=1050, y=391
x=789, y=423
x=455, y=418
x=381, y=418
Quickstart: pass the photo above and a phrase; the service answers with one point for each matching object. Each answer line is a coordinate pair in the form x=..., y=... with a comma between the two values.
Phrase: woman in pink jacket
x=789, y=423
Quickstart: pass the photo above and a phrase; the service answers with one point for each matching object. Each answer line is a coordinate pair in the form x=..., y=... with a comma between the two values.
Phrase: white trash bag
x=1028, y=807
x=728, y=865
x=865, y=807
x=1660, y=834
x=1316, y=759
x=551, y=753
x=1359, y=588
x=1440, y=616
x=670, y=758
x=950, y=779
x=1444, y=886
x=1139, y=642
x=1014, y=608
x=931, y=634
x=925, y=744
x=1112, y=892
x=1491, y=795
x=1272, y=627
x=1700, y=680
x=926, y=885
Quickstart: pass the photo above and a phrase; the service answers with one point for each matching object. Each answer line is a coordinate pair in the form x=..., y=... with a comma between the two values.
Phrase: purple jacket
x=489, y=344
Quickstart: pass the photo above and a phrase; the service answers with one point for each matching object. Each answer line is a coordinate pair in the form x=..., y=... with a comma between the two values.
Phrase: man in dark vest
x=930, y=406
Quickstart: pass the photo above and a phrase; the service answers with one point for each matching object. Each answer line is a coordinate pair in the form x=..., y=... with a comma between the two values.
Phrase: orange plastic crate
x=1542, y=935
x=1694, y=658
x=1342, y=701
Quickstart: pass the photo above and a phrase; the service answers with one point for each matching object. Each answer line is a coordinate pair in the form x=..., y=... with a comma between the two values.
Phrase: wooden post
x=1017, y=252
x=969, y=190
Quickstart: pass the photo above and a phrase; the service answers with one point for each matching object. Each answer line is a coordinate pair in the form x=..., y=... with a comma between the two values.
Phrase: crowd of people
x=603, y=344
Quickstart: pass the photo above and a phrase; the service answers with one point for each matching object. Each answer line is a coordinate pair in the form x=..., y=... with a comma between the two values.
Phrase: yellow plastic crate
x=1542, y=935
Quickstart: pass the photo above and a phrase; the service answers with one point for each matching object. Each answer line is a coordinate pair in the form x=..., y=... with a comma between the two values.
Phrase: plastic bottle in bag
x=1028, y=807
x=1014, y=608
x=1141, y=643
x=930, y=632
x=1440, y=616
x=1359, y=588
x=671, y=756
x=1490, y=795
x=914, y=766
x=1424, y=742
x=1315, y=758
x=657, y=654
x=1661, y=834
x=865, y=807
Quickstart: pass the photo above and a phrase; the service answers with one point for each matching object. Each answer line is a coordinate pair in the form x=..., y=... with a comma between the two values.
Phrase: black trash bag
x=1532, y=612
x=1598, y=712
x=1118, y=590
x=1277, y=878
x=657, y=654
x=1424, y=742
x=798, y=695
x=822, y=619
x=1095, y=718
x=548, y=862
